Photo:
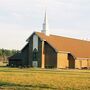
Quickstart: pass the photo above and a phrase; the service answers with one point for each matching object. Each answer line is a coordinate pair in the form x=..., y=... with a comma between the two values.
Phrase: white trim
x=83, y=58
x=62, y=52
x=27, y=40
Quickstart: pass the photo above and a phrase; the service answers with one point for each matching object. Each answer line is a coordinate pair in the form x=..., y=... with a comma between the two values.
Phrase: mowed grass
x=43, y=79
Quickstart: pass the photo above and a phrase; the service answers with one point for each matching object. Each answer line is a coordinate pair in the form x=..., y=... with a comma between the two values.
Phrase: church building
x=44, y=50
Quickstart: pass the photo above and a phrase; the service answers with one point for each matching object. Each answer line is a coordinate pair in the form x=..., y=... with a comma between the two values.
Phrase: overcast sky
x=20, y=18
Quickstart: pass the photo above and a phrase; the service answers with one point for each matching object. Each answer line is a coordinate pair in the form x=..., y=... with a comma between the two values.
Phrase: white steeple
x=45, y=25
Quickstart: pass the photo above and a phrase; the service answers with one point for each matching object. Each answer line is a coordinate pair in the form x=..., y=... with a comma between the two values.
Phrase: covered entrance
x=71, y=61
x=35, y=64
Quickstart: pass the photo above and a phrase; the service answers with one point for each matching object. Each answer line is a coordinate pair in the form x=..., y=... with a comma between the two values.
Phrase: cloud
x=13, y=36
x=72, y=33
x=19, y=18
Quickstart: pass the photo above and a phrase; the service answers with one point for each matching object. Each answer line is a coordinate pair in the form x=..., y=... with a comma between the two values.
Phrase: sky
x=20, y=18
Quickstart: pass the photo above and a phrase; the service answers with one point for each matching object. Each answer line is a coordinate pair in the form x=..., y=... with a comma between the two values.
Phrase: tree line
x=6, y=52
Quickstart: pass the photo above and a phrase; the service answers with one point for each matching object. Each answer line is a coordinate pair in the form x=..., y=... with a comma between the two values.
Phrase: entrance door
x=35, y=63
x=71, y=61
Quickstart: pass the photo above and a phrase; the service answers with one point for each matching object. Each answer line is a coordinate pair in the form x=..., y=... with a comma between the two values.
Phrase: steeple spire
x=45, y=25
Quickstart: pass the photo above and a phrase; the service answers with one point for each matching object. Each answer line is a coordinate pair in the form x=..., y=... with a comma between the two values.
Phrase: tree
x=0, y=52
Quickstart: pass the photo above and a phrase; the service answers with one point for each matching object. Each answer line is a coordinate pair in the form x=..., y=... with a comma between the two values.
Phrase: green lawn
x=41, y=79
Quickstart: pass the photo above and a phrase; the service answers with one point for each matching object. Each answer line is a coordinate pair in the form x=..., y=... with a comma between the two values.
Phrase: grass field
x=39, y=79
